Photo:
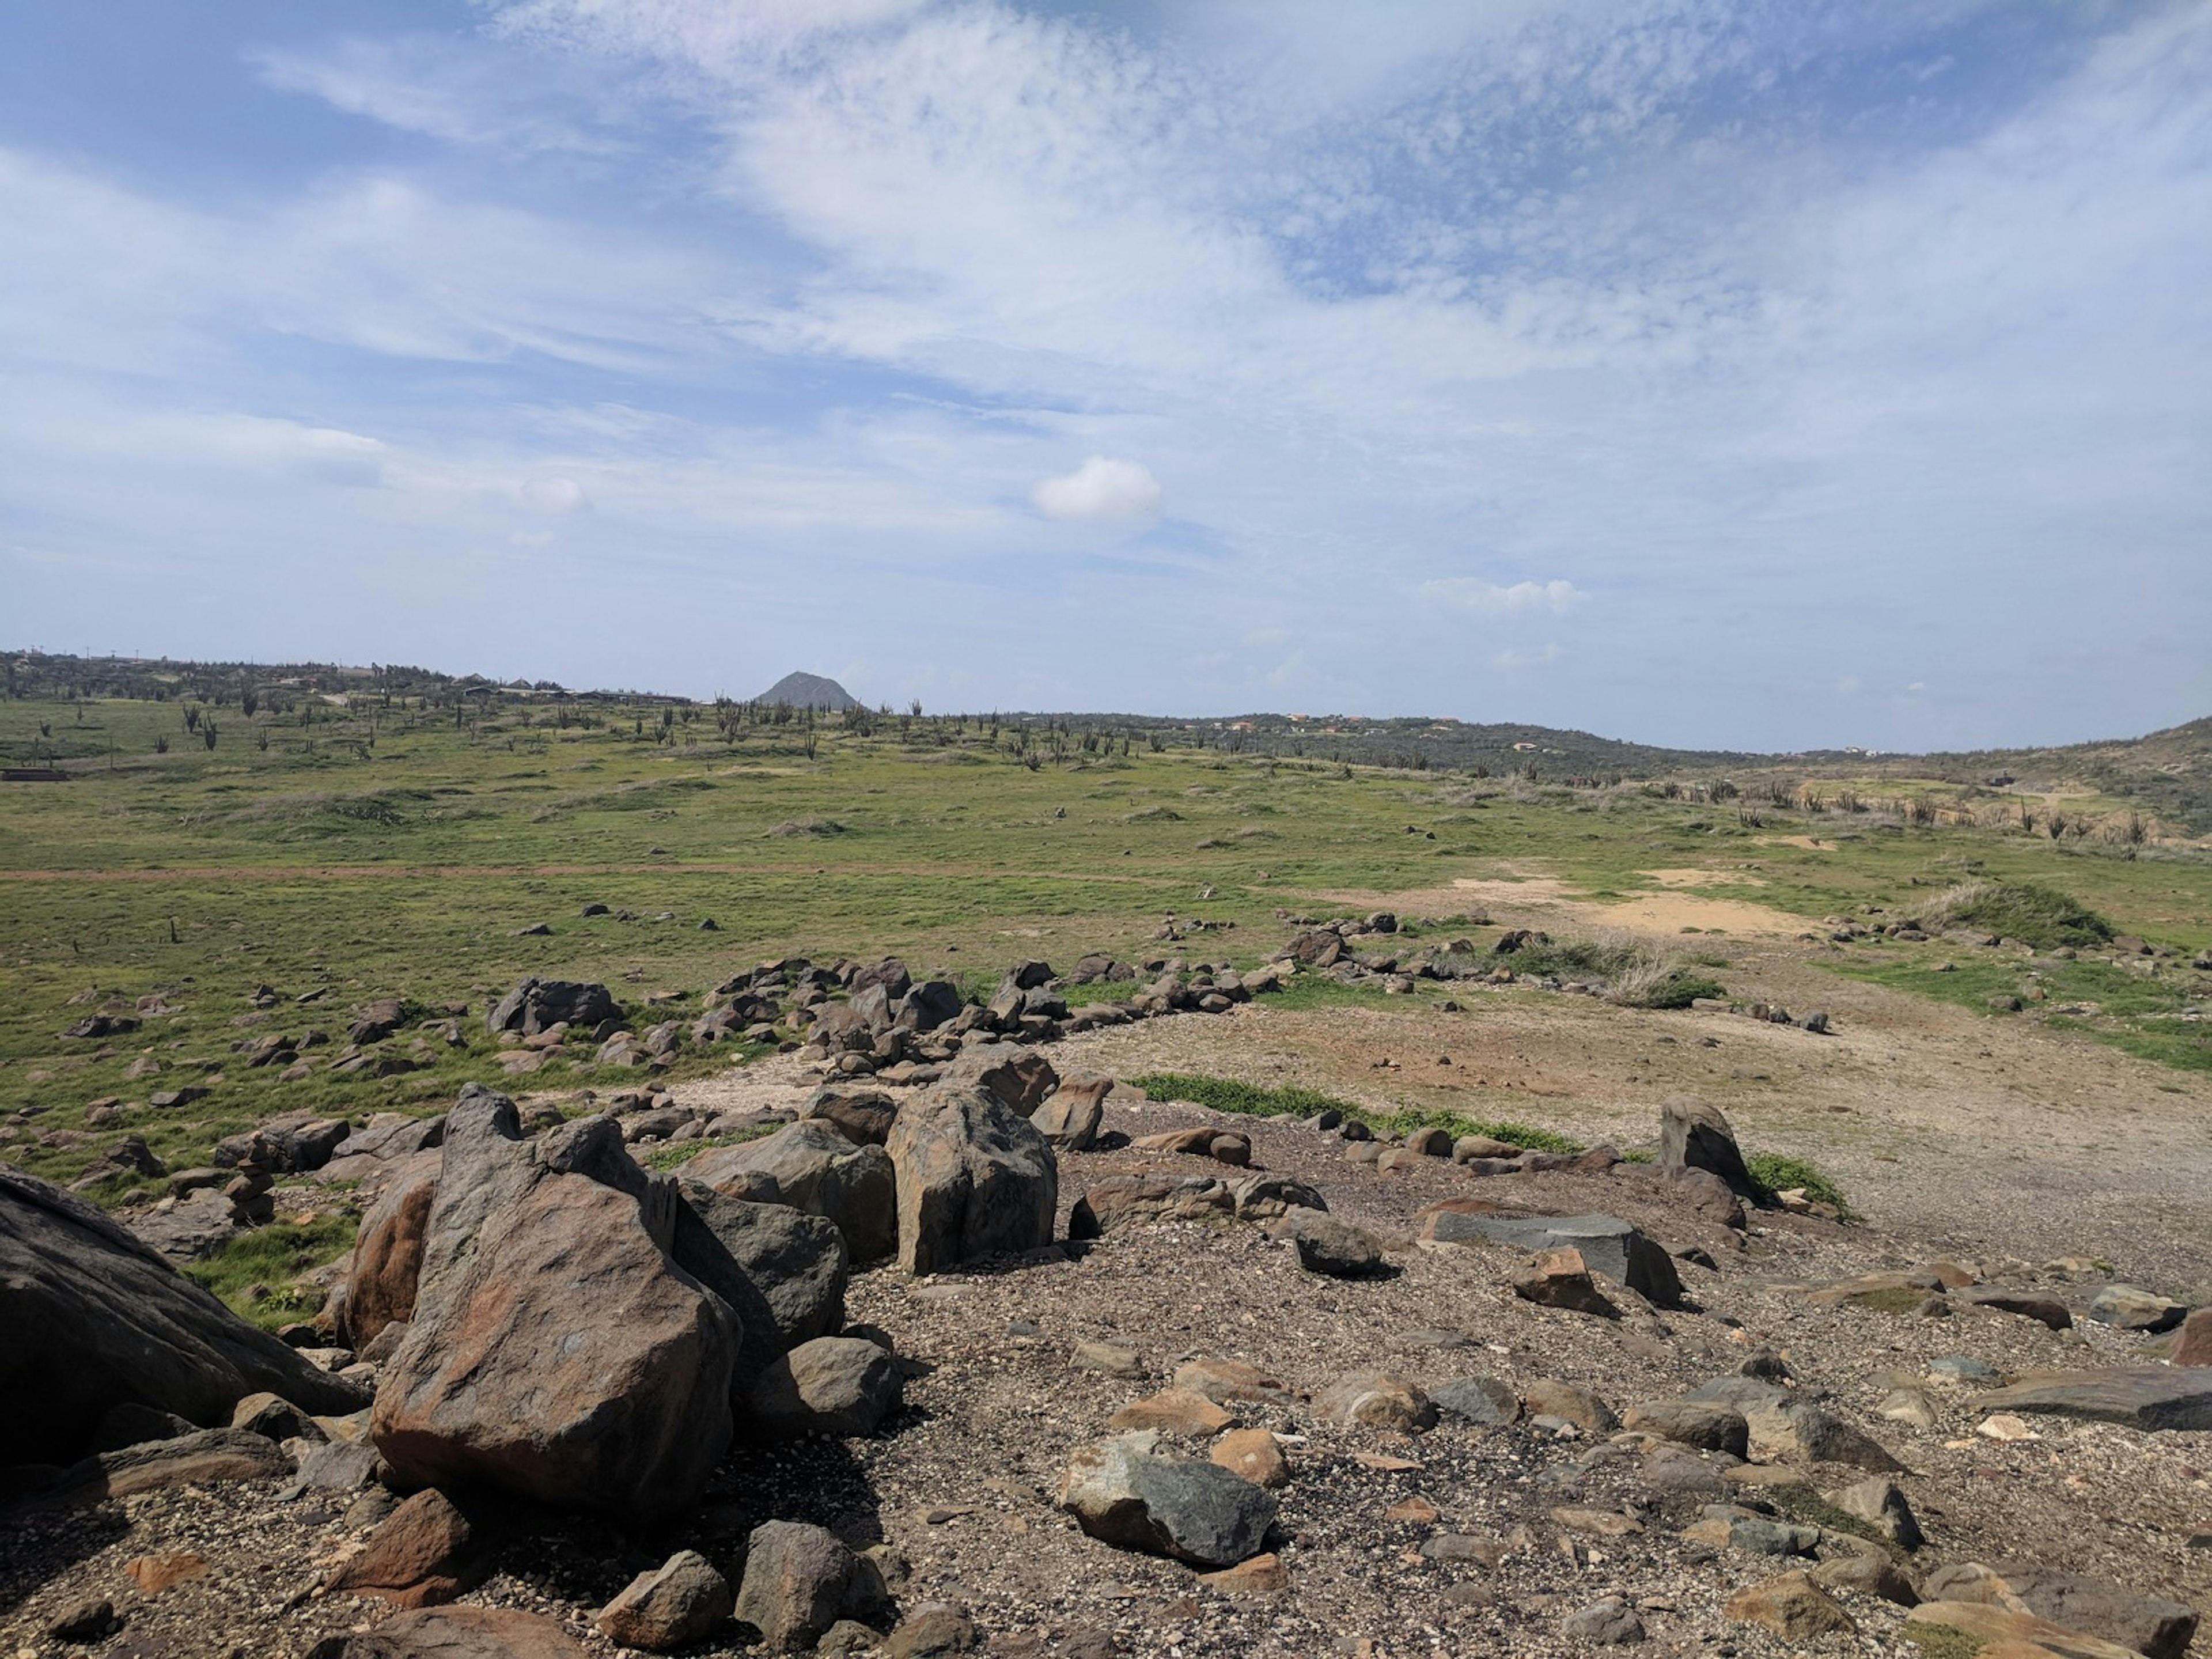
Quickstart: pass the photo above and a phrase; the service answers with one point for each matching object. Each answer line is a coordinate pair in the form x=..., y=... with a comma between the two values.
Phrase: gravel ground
x=960, y=1484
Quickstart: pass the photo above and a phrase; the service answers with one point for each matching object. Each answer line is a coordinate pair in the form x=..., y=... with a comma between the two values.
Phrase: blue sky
x=1698, y=371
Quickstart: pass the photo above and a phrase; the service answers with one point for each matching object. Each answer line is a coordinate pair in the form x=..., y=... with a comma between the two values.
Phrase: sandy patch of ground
x=1675, y=913
x=1961, y=1132
x=1544, y=901
x=1812, y=842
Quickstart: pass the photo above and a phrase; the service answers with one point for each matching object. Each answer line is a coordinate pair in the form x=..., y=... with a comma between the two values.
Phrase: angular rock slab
x=2139, y=1397
x=90, y=1318
x=1609, y=1245
x=557, y=1350
x=2015, y=1633
x=975, y=1178
x=387, y=1251
x=456, y=1632
x=1124, y=1492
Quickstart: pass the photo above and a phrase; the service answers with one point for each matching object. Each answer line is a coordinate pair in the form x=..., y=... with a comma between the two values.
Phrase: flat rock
x=2126, y=1307
x=2150, y=1625
x=1793, y=1606
x=456, y=1632
x=1547, y=1397
x=1703, y=1423
x=1609, y=1623
x=1380, y=1399
x=2044, y=1310
x=1608, y=1245
x=2139, y=1397
x=1484, y=1400
x=2015, y=1635
x=1173, y=1411
x=1224, y=1381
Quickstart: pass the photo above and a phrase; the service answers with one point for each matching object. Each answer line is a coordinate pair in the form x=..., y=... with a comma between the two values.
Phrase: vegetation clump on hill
x=2023, y=910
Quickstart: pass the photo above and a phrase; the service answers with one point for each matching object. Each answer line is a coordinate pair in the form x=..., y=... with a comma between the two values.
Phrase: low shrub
x=2041, y=916
x=1777, y=1172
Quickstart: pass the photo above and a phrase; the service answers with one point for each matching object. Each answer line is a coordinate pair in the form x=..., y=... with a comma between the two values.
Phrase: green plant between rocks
x=1779, y=1172
x=1223, y=1094
x=272, y=1258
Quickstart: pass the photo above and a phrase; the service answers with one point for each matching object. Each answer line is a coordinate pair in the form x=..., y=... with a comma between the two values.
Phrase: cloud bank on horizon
x=1707, y=371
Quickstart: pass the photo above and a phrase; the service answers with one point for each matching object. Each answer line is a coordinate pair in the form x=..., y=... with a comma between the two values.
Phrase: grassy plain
x=398, y=851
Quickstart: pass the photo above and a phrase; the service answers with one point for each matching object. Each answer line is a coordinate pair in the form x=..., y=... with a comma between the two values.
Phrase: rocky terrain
x=936, y=1333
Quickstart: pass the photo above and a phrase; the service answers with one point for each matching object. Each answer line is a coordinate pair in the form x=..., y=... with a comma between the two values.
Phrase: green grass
x=2140, y=1013
x=1805, y=1505
x=674, y=1155
x=1223, y=1094
x=271, y=1258
x=1777, y=1172
x=381, y=850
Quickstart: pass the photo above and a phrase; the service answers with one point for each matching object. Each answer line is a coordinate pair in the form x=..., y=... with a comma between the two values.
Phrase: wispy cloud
x=1487, y=599
x=1789, y=332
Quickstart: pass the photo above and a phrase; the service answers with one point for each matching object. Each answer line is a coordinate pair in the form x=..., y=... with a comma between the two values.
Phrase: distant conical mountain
x=809, y=691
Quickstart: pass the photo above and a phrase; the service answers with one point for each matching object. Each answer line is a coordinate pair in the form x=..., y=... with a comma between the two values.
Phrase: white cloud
x=1487, y=599
x=555, y=495
x=1101, y=488
x=1520, y=656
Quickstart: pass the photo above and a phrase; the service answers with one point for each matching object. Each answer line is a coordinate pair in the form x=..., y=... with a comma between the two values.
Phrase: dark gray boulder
x=92, y=1319
x=536, y=1004
x=1695, y=1136
x=1123, y=1492
x=790, y=1268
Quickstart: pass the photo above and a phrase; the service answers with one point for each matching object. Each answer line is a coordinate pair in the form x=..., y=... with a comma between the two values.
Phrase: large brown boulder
x=815, y=1169
x=975, y=1178
x=91, y=1319
x=556, y=1348
x=387, y=1251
